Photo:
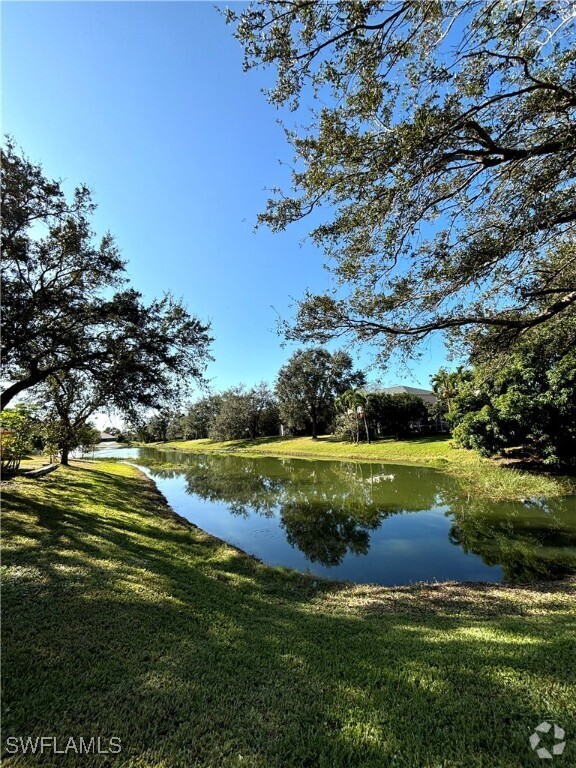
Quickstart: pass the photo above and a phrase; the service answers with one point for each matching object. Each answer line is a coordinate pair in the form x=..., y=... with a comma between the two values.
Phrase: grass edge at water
x=121, y=619
x=483, y=477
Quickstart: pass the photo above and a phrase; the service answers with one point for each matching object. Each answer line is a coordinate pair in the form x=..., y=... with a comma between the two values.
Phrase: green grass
x=432, y=451
x=482, y=477
x=122, y=620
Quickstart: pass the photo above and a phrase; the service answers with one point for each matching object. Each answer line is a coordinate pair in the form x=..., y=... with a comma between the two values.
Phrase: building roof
x=425, y=394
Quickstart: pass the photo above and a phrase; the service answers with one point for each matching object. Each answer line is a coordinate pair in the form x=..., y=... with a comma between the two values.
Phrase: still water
x=367, y=523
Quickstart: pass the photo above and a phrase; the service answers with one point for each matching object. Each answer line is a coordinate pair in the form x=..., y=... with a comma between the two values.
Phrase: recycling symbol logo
x=536, y=740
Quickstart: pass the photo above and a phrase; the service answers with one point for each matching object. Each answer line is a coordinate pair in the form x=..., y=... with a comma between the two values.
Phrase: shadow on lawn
x=195, y=654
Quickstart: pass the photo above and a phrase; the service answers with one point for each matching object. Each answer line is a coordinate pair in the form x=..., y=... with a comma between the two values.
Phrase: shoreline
x=484, y=477
x=458, y=587
x=187, y=643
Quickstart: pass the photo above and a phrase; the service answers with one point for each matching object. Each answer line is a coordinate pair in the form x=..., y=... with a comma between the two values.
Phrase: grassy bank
x=481, y=476
x=121, y=620
x=425, y=451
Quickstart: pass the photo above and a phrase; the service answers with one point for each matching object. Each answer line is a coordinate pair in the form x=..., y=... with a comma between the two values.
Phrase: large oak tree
x=66, y=308
x=436, y=149
x=309, y=383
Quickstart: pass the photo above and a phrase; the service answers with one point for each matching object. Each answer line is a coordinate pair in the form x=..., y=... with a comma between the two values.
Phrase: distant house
x=106, y=437
x=424, y=394
x=429, y=397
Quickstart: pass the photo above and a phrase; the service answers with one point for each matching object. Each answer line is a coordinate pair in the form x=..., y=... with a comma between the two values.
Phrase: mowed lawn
x=122, y=620
x=434, y=451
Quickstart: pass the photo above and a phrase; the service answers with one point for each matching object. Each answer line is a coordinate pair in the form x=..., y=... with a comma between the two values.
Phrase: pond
x=364, y=522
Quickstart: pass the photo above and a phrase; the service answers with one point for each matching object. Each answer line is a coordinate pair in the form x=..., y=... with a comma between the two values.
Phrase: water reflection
x=531, y=541
x=368, y=522
x=326, y=509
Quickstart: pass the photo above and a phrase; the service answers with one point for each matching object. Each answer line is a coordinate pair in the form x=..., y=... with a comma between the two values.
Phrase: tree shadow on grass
x=192, y=653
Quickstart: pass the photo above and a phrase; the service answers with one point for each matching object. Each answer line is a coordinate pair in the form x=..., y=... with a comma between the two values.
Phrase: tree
x=442, y=148
x=524, y=400
x=200, y=416
x=395, y=414
x=64, y=306
x=245, y=413
x=446, y=385
x=232, y=422
x=158, y=425
x=177, y=427
x=352, y=405
x=18, y=429
x=309, y=383
x=264, y=416
x=66, y=402
x=88, y=438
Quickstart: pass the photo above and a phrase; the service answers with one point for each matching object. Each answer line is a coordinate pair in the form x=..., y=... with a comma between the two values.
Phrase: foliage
x=88, y=437
x=158, y=425
x=308, y=385
x=346, y=425
x=18, y=428
x=177, y=427
x=438, y=161
x=200, y=416
x=446, y=385
x=117, y=433
x=66, y=402
x=65, y=308
x=395, y=414
x=352, y=405
x=264, y=411
x=246, y=414
x=525, y=400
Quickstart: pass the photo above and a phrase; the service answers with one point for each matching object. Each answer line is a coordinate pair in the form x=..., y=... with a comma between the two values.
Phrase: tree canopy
x=309, y=383
x=525, y=399
x=438, y=161
x=245, y=414
x=66, y=307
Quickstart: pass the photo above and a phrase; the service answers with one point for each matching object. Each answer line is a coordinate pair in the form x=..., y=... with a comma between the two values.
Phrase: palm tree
x=354, y=401
x=446, y=384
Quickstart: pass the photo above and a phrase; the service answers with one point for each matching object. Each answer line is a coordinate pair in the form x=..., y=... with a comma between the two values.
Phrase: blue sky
x=147, y=103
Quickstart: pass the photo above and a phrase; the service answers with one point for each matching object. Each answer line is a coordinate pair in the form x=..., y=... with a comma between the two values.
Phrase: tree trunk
x=15, y=389
x=366, y=428
x=64, y=456
x=314, y=428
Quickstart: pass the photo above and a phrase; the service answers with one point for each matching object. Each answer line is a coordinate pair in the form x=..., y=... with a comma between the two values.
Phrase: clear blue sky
x=147, y=103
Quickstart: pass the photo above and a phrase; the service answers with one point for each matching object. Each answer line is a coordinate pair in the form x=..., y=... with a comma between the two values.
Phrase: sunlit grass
x=434, y=451
x=120, y=619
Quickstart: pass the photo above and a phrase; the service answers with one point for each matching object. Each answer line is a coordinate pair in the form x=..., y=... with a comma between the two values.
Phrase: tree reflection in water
x=329, y=509
x=533, y=541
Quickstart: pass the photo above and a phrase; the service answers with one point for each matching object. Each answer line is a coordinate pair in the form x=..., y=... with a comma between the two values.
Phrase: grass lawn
x=122, y=620
x=431, y=451
x=482, y=476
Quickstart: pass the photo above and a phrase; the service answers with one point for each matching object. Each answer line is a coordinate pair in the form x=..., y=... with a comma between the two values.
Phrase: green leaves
x=525, y=400
x=439, y=140
x=309, y=383
x=18, y=427
x=59, y=313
